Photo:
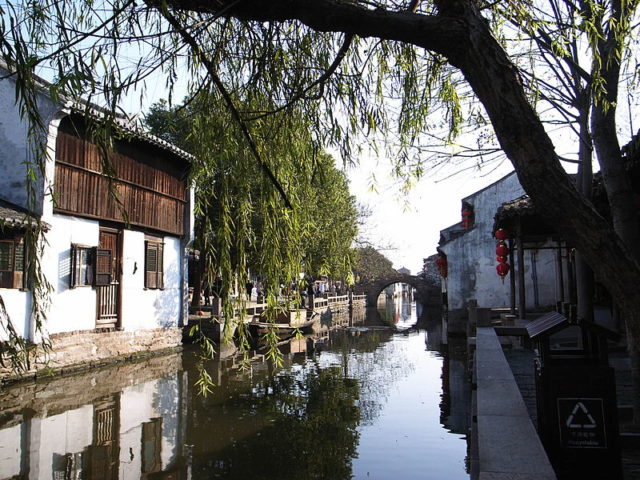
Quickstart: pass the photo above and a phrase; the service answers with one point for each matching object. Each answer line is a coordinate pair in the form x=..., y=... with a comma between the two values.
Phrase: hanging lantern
x=501, y=249
x=503, y=269
x=501, y=254
x=442, y=265
x=501, y=234
x=467, y=213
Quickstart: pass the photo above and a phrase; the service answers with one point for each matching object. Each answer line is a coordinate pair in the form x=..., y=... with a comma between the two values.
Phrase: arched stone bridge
x=427, y=292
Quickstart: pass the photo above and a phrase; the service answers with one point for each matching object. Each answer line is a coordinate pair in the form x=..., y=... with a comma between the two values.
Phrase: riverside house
x=117, y=268
x=469, y=249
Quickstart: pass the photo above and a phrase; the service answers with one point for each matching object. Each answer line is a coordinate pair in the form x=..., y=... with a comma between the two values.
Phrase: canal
x=374, y=396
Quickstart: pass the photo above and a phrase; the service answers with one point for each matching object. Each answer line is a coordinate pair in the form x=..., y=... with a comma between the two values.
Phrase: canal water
x=374, y=396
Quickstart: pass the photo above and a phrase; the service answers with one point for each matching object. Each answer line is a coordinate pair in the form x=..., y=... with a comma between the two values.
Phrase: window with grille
x=154, y=264
x=12, y=262
x=90, y=266
x=82, y=266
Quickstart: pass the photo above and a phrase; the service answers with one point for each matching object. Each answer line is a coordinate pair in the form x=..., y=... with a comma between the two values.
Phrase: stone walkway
x=522, y=366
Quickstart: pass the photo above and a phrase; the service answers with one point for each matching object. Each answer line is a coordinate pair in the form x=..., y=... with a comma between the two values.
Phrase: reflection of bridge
x=426, y=292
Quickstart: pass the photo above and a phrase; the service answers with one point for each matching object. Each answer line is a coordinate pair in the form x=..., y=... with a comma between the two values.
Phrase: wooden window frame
x=14, y=277
x=98, y=267
x=153, y=263
x=75, y=276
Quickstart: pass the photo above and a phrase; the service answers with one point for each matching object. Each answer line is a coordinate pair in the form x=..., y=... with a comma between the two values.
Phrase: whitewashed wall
x=14, y=144
x=18, y=306
x=150, y=308
x=472, y=257
x=71, y=308
x=14, y=155
x=10, y=450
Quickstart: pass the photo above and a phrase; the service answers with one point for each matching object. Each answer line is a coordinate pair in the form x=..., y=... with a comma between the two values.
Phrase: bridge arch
x=427, y=292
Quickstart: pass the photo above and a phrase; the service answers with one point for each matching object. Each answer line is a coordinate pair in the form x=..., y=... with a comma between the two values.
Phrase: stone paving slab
x=510, y=444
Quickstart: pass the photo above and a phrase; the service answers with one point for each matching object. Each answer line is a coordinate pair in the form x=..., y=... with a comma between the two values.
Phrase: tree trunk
x=584, y=274
x=196, y=300
x=521, y=135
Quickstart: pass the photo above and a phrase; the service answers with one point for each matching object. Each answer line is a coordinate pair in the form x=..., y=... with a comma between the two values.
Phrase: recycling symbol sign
x=582, y=423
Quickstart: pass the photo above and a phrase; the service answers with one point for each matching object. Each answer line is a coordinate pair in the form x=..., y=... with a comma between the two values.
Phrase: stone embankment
x=78, y=350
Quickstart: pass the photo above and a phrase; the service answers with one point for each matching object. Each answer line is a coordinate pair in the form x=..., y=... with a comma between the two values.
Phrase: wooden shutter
x=154, y=265
x=160, y=271
x=151, y=265
x=103, y=266
x=73, y=276
x=6, y=263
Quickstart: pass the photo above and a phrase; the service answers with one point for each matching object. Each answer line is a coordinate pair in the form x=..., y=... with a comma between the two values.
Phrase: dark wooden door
x=108, y=279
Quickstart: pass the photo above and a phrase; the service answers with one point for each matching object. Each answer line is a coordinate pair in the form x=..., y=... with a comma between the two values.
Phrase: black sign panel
x=581, y=422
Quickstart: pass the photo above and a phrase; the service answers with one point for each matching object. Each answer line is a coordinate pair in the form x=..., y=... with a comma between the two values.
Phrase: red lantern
x=501, y=234
x=501, y=249
x=501, y=259
x=442, y=265
x=503, y=269
x=466, y=218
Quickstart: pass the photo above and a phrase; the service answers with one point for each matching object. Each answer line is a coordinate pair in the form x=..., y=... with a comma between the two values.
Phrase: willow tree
x=359, y=67
x=241, y=223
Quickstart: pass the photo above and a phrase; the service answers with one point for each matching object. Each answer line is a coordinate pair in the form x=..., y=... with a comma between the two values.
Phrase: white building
x=118, y=269
x=471, y=258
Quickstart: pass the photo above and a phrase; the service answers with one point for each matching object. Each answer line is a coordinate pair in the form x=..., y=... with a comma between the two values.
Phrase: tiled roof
x=14, y=216
x=518, y=206
x=131, y=127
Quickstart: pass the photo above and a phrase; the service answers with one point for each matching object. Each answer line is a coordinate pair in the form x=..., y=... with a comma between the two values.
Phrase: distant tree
x=371, y=265
x=332, y=222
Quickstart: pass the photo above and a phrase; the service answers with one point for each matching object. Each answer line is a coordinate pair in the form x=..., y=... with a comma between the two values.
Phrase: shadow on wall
x=168, y=302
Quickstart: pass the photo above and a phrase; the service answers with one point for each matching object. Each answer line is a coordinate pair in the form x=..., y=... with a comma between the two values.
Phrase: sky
x=411, y=223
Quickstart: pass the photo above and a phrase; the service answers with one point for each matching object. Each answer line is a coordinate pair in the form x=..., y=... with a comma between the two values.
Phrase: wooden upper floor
x=141, y=184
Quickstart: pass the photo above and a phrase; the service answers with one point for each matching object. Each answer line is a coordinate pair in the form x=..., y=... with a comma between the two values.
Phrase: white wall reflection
x=133, y=433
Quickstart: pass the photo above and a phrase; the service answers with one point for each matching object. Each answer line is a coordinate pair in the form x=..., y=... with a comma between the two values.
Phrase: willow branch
x=342, y=52
x=227, y=99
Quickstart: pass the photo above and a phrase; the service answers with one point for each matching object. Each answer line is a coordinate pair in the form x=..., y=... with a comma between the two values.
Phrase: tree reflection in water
x=273, y=429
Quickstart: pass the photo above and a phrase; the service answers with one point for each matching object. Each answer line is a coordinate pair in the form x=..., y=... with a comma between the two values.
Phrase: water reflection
x=357, y=399
x=68, y=428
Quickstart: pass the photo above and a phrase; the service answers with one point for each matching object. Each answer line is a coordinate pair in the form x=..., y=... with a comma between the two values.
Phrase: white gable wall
x=472, y=257
x=14, y=142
